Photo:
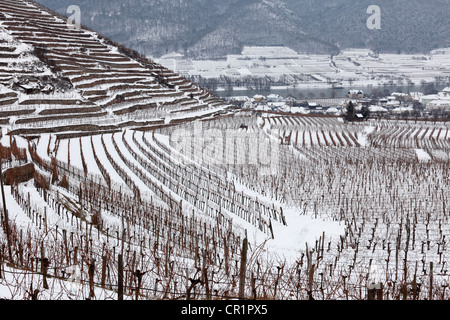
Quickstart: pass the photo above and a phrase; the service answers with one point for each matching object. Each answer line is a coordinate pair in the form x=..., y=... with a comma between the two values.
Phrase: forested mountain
x=214, y=28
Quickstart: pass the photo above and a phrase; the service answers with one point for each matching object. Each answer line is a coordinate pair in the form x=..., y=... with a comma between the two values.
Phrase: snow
x=291, y=240
x=108, y=141
x=62, y=152
x=375, y=108
x=100, y=152
x=42, y=146
x=15, y=212
x=422, y=155
x=277, y=62
x=89, y=156
x=303, y=227
x=362, y=136
x=75, y=154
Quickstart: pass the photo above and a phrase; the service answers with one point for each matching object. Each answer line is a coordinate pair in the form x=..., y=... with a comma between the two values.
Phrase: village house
x=377, y=110
x=248, y=105
x=402, y=97
x=437, y=102
x=30, y=88
x=416, y=96
x=290, y=101
x=239, y=100
x=392, y=102
x=358, y=103
x=258, y=98
x=425, y=99
x=445, y=93
x=355, y=94
x=299, y=109
x=402, y=110
x=439, y=105
x=274, y=98
x=383, y=102
x=333, y=111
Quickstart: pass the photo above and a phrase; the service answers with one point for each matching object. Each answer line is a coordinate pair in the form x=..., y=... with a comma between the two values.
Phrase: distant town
x=394, y=105
x=283, y=80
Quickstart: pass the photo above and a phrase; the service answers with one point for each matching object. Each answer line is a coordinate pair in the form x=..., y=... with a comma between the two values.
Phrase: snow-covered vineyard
x=53, y=76
x=121, y=178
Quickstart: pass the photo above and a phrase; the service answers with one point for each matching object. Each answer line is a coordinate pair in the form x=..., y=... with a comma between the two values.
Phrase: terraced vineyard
x=67, y=77
x=122, y=179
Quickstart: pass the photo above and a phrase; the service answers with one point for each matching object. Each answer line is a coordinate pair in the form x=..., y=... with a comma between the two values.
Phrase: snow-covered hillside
x=282, y=67
x=124, y=180
x=53, y=76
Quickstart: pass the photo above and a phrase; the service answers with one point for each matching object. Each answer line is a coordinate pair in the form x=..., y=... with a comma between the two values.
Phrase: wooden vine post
x=5, y=213
x=45, y=264
x=91, y=271
x=120, y=278
x=375, y=291
x=243, y=268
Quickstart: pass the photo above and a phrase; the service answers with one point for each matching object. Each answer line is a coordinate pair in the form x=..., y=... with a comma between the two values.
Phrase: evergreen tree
x=365, y=112
x=350, y=116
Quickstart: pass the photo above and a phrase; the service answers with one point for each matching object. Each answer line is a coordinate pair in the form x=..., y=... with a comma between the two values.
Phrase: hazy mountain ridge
x=406, y=26
x=215, y=28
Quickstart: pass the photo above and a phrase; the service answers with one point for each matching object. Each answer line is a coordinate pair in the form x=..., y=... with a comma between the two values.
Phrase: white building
x=248, y=105
x=416, y=96
x=333, y=111
x=274, y=98
x=425, y=99
x=402, y=110
x=373, y=109
x=259, y=98
x=355, y=94
x=439, y=105
x=299, y=110
x=445, y=93
x=439, y=101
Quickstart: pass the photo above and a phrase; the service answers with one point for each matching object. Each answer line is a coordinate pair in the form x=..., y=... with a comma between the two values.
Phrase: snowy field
x=351, y=66
x=342, y=205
